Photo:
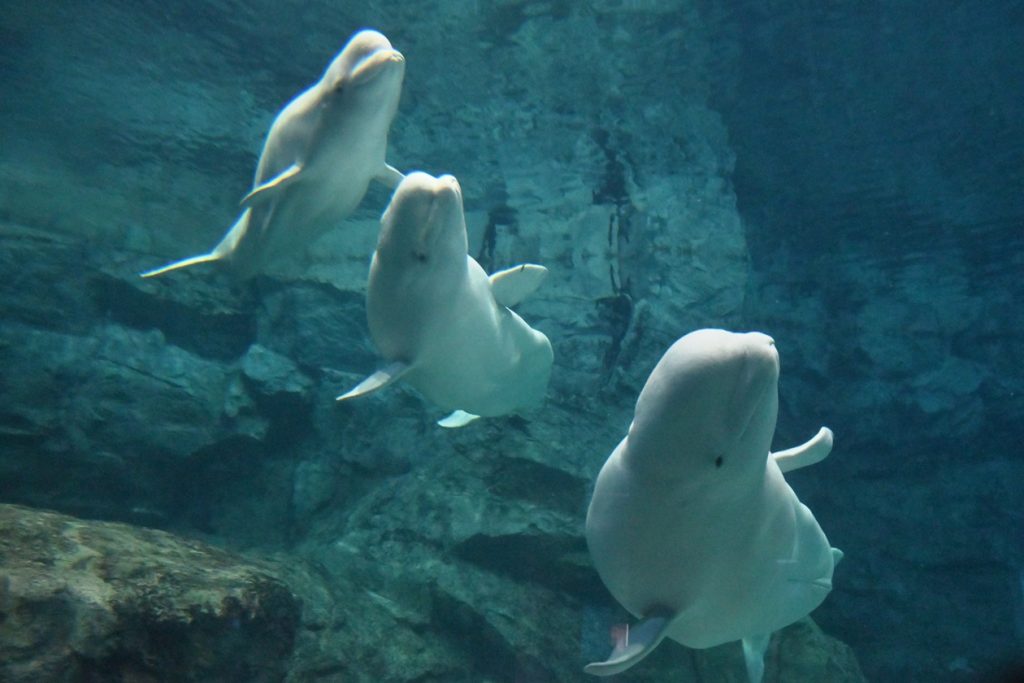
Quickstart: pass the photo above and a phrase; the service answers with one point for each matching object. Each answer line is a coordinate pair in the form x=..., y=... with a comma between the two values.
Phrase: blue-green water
x=845, y=178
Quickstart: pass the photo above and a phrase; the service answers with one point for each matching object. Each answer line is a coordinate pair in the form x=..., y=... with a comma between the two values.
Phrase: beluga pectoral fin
x=631, y=645
x=376, y=381
x=389, y=177
x=274, y=186
x=459, y=418
x=183, y=263
x=754, y=648
x=812, y=452
x=513, y=285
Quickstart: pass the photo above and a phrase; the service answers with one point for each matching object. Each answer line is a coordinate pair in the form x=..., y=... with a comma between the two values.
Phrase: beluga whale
x=439, y=321
x=692, y=526
x=320, y=155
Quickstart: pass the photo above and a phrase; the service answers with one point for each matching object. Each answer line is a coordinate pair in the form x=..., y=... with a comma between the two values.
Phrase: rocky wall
x=583, y=139
x=877, y=172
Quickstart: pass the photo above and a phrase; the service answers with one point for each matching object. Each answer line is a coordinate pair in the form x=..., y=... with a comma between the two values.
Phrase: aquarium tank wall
x=182, y=497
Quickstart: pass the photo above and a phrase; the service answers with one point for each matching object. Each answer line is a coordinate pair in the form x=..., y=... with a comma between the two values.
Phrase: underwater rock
x=316, y=325
x=204, y=320
x=32, y=257
x=313, y=486
x=799, y=653
x=274, y=375
x=84, y=601
x=138, y=406
x=396, y=611
x=359, y=631
x=438, y=552
x=802, y=652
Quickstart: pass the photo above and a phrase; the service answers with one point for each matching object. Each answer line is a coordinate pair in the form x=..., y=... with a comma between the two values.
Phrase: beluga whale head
x=367, y=76
x=424, y=227
x=715, y=394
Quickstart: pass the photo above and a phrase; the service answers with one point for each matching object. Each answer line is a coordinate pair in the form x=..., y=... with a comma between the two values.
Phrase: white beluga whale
x=320, y=155
x=692, y=526
x=439, y=320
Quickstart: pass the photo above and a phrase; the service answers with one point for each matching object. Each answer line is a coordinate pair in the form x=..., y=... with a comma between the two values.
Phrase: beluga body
x=319, y=157
x=439, y=321
x=692, y=525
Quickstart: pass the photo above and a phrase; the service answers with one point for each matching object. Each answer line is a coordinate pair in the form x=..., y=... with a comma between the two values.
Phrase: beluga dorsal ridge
x=320, y=155
x=439, y=321
x=692, y=526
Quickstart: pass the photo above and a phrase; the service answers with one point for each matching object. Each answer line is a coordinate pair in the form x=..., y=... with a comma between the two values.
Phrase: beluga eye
x=718, y=461
x=420, y=256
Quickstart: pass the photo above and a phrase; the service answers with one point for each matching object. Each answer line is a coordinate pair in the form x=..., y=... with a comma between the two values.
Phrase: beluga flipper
x=691, y=512
x=632, y=645
x=320, y=155
x=439, y=321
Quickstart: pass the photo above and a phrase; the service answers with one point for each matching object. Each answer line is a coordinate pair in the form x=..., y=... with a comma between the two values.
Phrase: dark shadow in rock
x=316, y=325
x=536, y=483
x=479, y=641
x=196, y=319
x=213, y=476
x=558, y=562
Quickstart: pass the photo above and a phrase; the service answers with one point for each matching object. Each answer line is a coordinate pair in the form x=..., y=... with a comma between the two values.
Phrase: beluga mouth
x=375, y=65
x=756, y=381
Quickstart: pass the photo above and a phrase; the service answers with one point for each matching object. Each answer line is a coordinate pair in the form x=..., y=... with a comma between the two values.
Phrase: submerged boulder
x=85, y=601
